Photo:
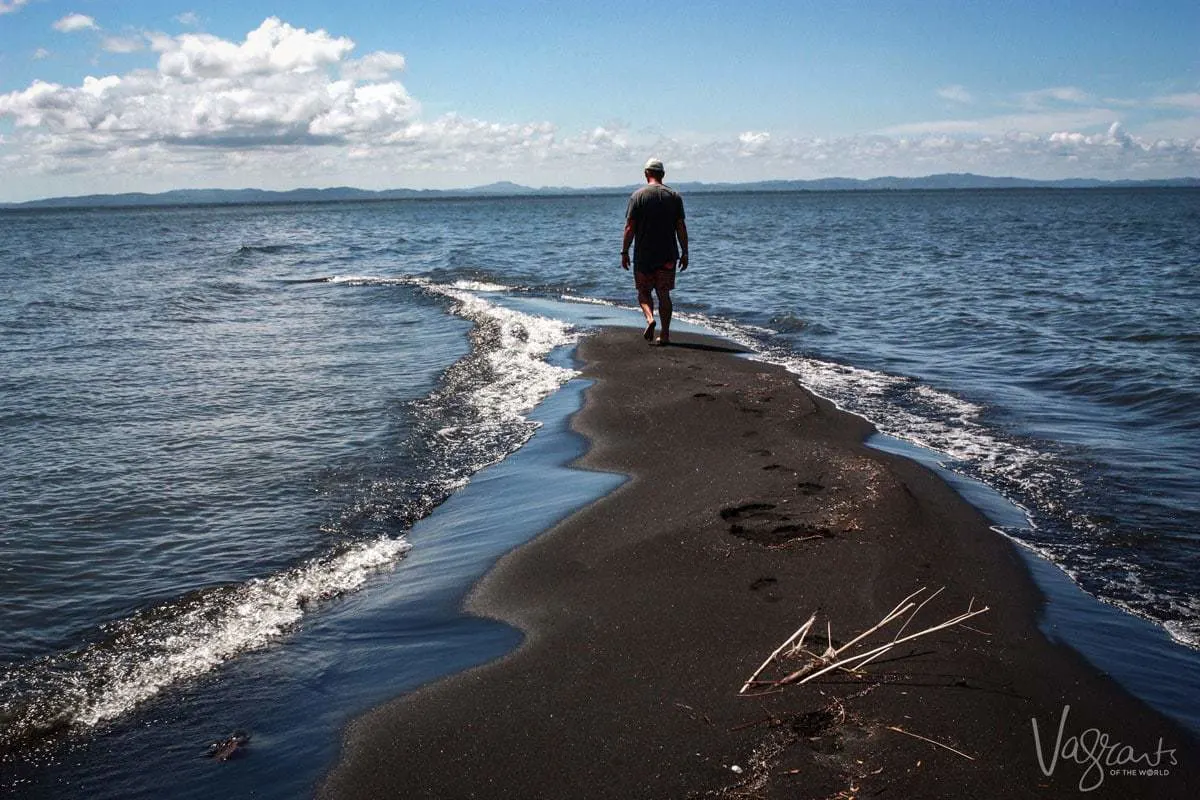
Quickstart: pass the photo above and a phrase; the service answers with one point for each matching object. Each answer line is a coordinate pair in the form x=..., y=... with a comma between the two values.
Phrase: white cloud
x=752, y=142
x=273, y=88
x=123, y=44
x=75, y=22
x=189, y=18
x=955, y=93
x=1189, y=101
x=1057, y=95
x=1114, y=136
x=373, y=67
x=9, y=6
x=1062, y=109
x=754, y=137
x=273, y=48
x=40, y=54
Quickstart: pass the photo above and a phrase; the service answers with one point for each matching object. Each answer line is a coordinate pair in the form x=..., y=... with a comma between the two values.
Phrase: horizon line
x=495, y=188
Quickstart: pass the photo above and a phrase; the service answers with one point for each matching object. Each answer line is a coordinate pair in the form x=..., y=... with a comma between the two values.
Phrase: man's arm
x=626, y=241
x=681, y=235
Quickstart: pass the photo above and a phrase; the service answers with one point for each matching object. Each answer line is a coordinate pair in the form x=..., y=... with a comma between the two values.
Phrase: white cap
x=655, y=165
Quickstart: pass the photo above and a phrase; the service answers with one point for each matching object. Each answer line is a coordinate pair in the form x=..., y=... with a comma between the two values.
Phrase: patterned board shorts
x=662, y=279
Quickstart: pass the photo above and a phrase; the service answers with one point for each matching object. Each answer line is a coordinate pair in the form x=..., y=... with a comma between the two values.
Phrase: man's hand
x=683, y=262
x=625, y=261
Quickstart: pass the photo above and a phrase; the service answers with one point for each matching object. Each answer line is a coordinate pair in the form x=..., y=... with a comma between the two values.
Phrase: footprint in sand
x=764, y=524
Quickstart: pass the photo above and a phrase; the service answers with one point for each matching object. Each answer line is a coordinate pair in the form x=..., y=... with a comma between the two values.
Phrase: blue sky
x=146, y=96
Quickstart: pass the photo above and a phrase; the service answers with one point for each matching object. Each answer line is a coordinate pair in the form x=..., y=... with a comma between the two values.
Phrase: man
x=654, y=222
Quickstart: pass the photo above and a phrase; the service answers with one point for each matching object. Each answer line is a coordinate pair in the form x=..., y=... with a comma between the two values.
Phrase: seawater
x=225, y=430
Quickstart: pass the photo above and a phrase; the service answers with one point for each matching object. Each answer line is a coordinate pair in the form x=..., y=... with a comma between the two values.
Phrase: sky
x=150, y=95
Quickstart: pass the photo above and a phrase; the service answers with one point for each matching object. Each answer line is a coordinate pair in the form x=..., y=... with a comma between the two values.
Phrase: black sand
x=752, y=505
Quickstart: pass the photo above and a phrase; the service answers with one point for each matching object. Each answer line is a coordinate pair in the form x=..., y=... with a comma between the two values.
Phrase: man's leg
x=664, y=311
x=646, y=302
x=664, y=282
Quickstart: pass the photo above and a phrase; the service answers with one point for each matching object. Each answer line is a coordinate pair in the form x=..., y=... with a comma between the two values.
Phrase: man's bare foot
x=648, y=334
x=661, y=341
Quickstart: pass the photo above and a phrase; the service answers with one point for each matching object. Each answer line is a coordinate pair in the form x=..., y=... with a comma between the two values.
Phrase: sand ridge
x=750, y=505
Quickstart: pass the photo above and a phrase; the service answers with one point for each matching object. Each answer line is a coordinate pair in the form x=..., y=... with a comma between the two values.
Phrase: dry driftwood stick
x=931, y=741
x=913, y=615
x=957, y=620
x=801, y=633
x=831, y=653
x=798, y=646
x=899, y=610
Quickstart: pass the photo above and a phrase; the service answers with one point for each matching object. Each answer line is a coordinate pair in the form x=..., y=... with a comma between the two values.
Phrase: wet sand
x=750, y=506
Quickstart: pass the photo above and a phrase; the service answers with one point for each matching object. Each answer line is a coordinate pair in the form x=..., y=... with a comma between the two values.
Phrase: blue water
x=224, y=432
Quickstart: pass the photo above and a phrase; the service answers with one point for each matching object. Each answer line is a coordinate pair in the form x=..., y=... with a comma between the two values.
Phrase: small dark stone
x=230, y=746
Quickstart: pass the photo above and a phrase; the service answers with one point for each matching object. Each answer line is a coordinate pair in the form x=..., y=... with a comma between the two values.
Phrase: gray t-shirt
x=655, y=210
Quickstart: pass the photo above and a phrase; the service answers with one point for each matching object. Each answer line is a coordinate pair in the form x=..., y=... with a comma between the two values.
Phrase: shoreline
x=645, y=612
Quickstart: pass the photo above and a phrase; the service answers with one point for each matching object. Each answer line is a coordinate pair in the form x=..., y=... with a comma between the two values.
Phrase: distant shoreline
x=239, y=197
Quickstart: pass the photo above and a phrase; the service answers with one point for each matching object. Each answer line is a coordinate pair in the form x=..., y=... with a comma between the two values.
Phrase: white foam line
x=595, y=301
x=520, y=343
x=482, y=286
x=214, y=630
x=376, y=280
x=521, y=376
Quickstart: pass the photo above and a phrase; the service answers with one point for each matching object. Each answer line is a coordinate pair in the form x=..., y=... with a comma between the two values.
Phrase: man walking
x=653, y=224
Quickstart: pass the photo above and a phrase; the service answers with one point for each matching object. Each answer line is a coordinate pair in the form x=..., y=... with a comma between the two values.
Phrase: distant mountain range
x=949, y=181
